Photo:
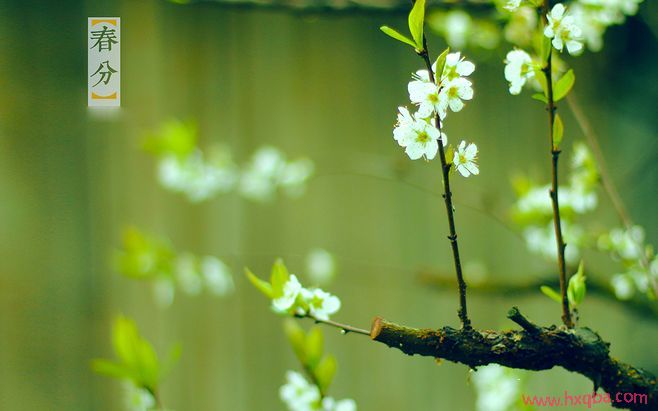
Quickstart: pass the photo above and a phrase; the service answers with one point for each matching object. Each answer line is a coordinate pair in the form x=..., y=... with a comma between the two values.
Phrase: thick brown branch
x=578, y=350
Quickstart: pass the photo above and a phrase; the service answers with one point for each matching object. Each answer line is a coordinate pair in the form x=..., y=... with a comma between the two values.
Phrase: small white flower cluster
x=269, y=170
x=200, y=178
x=193, y=274
x=418, y=132
x=197, y=178
x=629, y=248
x=297, y=300
x=518, y=69
x=462, y=30
x=595, y=16
x=300, y=395
x=534, y=209
x=498, y=388
x=564, y=31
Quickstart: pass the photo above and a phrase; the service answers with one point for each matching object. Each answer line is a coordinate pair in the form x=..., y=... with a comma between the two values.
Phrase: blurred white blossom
x=298, y=394
x=329, y=404
x=217, y=276
x=497, y=388
x=138, y=399
x=320, y=266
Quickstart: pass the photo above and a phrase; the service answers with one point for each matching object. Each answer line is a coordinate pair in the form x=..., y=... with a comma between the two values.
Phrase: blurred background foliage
x=319, y=85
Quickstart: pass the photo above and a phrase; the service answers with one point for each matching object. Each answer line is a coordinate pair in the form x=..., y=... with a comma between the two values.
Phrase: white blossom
x=291, y=289
x=138, y=399
x=464, y=159
x=518, y=70
x=512, y=5
x=454, y=91
x=321, y=304
x=456, y=66
x=418, y=136
x=299, y=394
x=217, y=276
x=320, y=266
x=425, y=94
x=563, y=30
x=330, y=404
x=498, y=388
x=627, y=244
x=623, y=286
x=187, y=274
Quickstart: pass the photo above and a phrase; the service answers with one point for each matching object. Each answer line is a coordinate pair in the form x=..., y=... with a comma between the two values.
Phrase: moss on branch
x=579, y=350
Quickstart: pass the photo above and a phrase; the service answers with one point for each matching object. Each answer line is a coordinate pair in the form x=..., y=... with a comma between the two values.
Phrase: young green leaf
x=416, y=23
x=550, y=293
x=540, y=97
x=558, y=132
x=325, y=372
x=111, y=369
x=440, y=64
x=314, y=346
x=278, y=278
x=297, y=338
x=564, y=85
x=577, y=288
x=541, y=78
x=263, y=286
x=546, y=48
x=397, y=36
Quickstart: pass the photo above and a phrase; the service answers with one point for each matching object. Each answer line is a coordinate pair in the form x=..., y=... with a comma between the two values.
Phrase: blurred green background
x=321, y=85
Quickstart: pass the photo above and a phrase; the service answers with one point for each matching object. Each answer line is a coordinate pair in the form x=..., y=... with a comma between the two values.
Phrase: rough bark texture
x=579, y=350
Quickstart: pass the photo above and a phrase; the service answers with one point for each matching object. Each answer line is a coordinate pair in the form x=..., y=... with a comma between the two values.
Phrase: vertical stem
x=447, y=197
x=555, y=155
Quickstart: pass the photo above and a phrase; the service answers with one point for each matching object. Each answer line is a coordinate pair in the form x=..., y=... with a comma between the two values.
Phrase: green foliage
x=262, y=286
x=416, y=23
x=440, y=64
x=564, y=85
x=144, y=256
x=540, y=97
x=558, y=131
x=137, y=360
x=577, y=288
x=396, y=35
x=309, y=349
x=551, y=293
x=278, y=278
x=174, y=137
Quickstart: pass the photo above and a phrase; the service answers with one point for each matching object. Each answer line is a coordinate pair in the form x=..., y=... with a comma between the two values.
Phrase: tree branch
x=450, y=210
x=555, y=155
x=578, y=350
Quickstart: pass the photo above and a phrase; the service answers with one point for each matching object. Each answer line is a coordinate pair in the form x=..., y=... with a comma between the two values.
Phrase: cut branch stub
x=579, y=350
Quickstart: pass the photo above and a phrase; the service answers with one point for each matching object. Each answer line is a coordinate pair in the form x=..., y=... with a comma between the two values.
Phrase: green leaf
x=325, y=372
x=416, y=22
x=263, y=286
x=558, y=131
x=278, y=278
x=440, y=64
x=125, y=339
x=546, y=48
x=577, y=288
x=540, y=97
x=297, y=338
x=172, y=358
x=396, y=35
x=541, y=78
x=314, y=347
x=111, y=369
x=550, y=293
x=564, y=85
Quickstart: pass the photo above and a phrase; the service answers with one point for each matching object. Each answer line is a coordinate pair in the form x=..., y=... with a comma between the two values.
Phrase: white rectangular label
x=104, y=62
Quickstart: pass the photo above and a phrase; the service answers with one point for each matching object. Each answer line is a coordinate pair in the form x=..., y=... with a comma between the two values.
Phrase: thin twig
x=606, y=181
x=344, y=327
x=555, y=155
x=447, y=197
